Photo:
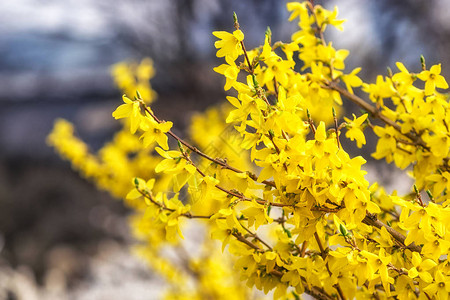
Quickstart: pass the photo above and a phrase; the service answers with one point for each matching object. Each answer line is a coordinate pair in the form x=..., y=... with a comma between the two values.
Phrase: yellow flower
x=354, y=131
x=320, y=137
x=433, y=79
x=387, y=143
x=351, y=80
x=298, y=10
x=421, y=267
x=440, y=286
x=229, y=44
x=325, y=17
x=439, y=143
x=156, y=132
x=131, y=109
x=256, y=216
x=131, y=76
x=230, y=71
x=435, y=246
x=207, y=184
x=441, y=182
x=379, y=90
x=404, y=77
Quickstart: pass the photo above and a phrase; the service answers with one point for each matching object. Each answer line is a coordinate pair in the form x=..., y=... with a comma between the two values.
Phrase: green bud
x=308, y=114
x=268, y=31
x=288, y=232
x=255, y=82
x=430, y=195
x=296, y=296
x=343, y=230
x=136, y=182
x=235, y=19
x=416, y=189
x=272, y=134
x=422, y=62
x=269, y=208
x=138, y=94
x=334, y=112
x=389, y=71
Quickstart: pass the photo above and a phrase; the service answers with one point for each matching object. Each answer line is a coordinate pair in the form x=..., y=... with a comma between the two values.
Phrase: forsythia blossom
x=281, y=204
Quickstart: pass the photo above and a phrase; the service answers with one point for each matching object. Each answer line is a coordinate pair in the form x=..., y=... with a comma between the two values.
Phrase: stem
x=277, y=150
x=324, y=255
x=373, y=221
x=314, y=291
x=369, y=219
x=242, y=239
x=311, y=123
x=250, y=68
x=275, y=86
x=254, y=235
x=337, y=129
x=303, y=251
x=376, y=113
x=220, y=162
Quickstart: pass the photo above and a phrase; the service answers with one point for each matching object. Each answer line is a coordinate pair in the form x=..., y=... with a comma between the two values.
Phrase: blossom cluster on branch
x=268, y=177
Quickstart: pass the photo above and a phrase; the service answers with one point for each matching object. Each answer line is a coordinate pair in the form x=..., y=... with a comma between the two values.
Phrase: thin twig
x=220, y=162
x=324, y=255
x=376, y=113
x=254, y=235
x=372, y=220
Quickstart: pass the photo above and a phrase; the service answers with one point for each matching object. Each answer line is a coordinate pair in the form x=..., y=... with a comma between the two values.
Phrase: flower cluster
x=157, y=220
x=274, y=184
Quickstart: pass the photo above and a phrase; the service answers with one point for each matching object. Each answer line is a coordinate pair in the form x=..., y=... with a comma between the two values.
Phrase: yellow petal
x=239, y=35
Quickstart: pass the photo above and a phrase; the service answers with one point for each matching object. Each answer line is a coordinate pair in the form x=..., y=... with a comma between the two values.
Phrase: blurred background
x=60, y=238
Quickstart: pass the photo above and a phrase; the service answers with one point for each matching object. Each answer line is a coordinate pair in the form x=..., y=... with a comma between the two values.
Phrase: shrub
x=270, y=180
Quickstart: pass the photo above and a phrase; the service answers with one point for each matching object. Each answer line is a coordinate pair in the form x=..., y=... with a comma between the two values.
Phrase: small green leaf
x=422, y=62
x=235, y=18
x=430, y=195
x=138, y=94
x=343, y=230
x=389, y=71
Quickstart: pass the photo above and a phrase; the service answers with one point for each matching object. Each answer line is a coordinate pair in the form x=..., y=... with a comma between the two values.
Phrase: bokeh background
x=60, y=238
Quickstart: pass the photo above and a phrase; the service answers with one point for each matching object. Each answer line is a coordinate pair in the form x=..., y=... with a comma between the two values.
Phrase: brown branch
x=191, y=216
x=242, y=239
x=314, y=291
x=275, y=86
x=375, y=113
x=255, y=236
x=250, y=67
x=303, y=250
x=317, y=293
x=337, y=129
x=311, y=122
x=399, y=271
x=324, y=255
x=220, y=162
x=372, y=220
x=276, y=148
